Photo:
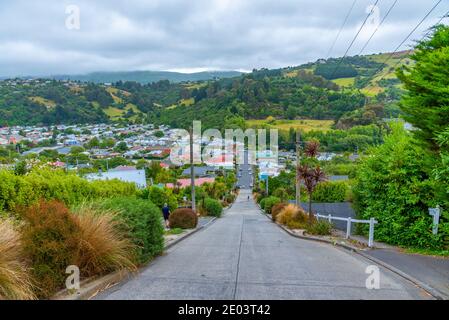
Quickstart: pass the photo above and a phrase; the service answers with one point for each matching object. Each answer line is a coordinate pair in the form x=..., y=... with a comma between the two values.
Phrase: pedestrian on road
x=166, y=213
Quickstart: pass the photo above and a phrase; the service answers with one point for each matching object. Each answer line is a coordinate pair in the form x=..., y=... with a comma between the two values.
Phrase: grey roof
x=134, y=176
x=338, y=178
x=65, y=150
x=200, y=171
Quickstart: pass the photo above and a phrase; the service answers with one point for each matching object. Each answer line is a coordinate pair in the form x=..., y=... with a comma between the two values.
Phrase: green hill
x=362, y=90
x=145, y=77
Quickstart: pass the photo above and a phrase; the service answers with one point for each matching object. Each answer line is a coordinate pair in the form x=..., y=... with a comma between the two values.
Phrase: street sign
x=435, y=213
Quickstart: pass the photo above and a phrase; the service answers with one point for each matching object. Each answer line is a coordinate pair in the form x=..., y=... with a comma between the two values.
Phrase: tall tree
x=426, y=102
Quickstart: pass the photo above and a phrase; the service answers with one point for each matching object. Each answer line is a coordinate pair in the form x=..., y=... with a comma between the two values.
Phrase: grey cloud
x=181, y=34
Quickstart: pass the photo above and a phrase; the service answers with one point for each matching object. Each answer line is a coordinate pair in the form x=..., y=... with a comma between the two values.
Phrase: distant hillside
x=369, y=74
x=145, y=77
x=362, y=91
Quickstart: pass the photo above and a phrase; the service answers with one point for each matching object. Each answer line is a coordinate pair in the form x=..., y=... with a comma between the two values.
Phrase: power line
x=355, y=38
x=378, y=27
x=424, y=37
x=341, y=29
x=408, y=36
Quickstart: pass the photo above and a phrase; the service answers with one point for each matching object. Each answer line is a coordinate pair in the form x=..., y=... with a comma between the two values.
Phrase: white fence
x=372, y=222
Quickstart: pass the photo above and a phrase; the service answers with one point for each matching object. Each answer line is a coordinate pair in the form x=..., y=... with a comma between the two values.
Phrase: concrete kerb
x=433, y=292
x=91, y=287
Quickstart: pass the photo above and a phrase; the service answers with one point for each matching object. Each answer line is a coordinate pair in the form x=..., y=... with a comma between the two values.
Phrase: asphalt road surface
x=244, y=256
x=245, y=174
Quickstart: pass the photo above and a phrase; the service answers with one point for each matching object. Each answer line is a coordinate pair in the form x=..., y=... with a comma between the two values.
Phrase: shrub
x=292, y=217
x=394, y=186
x=213, y=207
x=47, y=184
x=262, y=203
x=15, y=283
x=230, y=198
x=319, y=228
x=259, y=197
x=277, y=209
x=103, y=246
x=161, y=196
x=144, y=225
x=50, y=241
x=281, y=193
x=183, y=218
x=331, y=192
x=269, y=203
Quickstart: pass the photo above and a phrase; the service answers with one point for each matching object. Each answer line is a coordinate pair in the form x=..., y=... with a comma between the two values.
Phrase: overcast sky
x=192, y=35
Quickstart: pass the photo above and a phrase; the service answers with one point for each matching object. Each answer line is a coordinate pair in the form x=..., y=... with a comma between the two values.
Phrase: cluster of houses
x=142, y=141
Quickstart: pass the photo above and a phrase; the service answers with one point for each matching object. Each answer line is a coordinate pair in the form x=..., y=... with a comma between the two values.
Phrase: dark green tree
x=426, y=102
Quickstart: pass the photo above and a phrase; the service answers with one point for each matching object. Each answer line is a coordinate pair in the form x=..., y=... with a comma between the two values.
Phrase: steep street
x=246, y=256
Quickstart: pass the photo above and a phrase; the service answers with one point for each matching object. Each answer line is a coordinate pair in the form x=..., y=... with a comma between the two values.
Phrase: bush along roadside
x=50, y=237
x=296, y=218
x=213, y=207
x=143, y=224
x=15, y=276
x=47, y=237
x=183, y=218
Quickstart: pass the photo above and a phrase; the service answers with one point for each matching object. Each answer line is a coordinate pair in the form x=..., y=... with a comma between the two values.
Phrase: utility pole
x=298, y=163
x=192, y=172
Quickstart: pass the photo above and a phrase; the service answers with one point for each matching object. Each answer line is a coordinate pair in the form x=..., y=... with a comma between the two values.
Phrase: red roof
x=186, y=182
x=58, y=164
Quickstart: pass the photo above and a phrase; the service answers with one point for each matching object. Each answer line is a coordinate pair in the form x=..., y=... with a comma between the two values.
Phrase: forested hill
x=145, y=77
x=358, y=93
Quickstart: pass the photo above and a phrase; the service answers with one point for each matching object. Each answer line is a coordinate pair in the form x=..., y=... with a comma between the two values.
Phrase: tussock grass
x=15, y=283
x=292, y=217
x=103, y=247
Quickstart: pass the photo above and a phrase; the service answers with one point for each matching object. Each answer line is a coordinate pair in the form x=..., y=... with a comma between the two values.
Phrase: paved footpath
x=244, y=256
x=433, y=271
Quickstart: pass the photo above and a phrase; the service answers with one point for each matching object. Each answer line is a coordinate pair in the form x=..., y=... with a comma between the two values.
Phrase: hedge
x=144, y=221
x=183, y=218
x=213, y=207
x=331, y=192
x=47, y=184
x=268, y=203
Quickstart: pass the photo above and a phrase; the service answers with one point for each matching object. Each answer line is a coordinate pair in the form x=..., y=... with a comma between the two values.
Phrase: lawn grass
x=192, y=86
x=303, y=125
x=291, y=74
x=116, y=113
x=113, y=92
x=344, y=82
x=427, y=252
x=113, y=112
x=44, y=102
x=387, y=73
x=187, y=102
x=183, y=103
x=372, y=91
x=174, y=232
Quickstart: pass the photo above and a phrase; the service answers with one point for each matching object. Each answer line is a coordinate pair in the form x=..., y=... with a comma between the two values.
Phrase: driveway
x=244, y=256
